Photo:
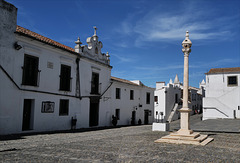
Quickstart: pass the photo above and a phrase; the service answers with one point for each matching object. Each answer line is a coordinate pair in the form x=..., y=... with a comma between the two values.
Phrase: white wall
x=216, y=84
x=221, y=101
x=166, y=100
x=126, y=105
x=160, y=105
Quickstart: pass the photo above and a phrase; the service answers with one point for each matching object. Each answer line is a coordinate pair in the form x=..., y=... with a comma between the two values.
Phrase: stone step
x=201, y=138
x=206, y=141
x=176, y=139
x=193, y=135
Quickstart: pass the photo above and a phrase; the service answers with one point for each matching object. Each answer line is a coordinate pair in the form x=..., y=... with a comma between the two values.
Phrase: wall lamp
x=17, y=46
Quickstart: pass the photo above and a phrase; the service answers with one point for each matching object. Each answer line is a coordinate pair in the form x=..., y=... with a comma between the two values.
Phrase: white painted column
x=185, y=81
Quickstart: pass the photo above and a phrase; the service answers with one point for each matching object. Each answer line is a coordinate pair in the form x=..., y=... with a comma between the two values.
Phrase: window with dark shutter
x=131, y=94
x=118, y=93
x=148, y=98
x=30, y=70
x=65, y=78
x=232, y=81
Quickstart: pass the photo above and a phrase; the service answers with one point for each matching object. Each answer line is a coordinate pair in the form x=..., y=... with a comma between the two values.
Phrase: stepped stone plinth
x=194, y=138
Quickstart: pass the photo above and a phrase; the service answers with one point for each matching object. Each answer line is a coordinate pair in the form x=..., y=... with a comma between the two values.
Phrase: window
x=232, y=81
x=30, y=70
x=148, y=98
x=95, y=83
x=63, y=108
x=117, y=113
x=118, y=93
x=131, y=94
x=65, y=78
x=155, y=98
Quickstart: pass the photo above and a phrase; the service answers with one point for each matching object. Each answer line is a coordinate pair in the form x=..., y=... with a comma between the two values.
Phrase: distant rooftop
x=223, y=70
x=123, y=81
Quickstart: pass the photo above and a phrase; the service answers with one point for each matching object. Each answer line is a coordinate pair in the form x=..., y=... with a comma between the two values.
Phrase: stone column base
x=184, y=132
x=160, y=126
x=179, y=138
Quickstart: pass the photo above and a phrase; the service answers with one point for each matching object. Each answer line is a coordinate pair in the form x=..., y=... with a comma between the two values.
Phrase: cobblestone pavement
x=125, y=144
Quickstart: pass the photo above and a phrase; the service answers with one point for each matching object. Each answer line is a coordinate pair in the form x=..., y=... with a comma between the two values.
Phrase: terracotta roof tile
x=223, y=70
x=26, y=32
x=123, y=81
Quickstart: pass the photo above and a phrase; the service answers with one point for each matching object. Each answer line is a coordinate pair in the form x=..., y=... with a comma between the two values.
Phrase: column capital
x=186, y=44
x=186, y=51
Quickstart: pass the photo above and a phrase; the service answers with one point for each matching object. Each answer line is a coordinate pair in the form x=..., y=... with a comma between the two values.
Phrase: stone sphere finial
x=78, y=48
x=78, y=42
x=107, y=55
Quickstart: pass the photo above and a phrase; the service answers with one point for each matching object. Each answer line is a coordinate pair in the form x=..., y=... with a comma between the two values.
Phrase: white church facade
x=168, y=100
x=47, y=86
x=222, y=99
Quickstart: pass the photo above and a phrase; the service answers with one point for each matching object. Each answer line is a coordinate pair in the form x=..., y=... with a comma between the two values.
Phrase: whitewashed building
x=47, y=86
x=168, y=100
x=132, y=101
x=222, y=99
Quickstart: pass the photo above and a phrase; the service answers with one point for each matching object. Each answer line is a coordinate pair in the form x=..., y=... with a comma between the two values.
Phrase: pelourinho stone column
x=185, y=111
x=184, y=135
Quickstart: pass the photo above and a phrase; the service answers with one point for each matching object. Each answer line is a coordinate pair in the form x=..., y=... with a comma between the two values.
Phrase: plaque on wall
x=47, y=107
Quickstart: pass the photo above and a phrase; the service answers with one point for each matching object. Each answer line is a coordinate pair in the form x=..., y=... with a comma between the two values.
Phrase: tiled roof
x=123, y=81
x=26, y=32
x=223, y=70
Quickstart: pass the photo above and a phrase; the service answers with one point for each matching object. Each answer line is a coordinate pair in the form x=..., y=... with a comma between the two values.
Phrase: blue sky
x=143, y=37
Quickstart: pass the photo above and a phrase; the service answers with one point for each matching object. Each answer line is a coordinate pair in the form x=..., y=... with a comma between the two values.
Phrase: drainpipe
x=78, y=91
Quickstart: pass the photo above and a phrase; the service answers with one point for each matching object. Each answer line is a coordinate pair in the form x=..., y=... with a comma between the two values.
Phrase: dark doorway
x=176, y=98
x=146, y=113
x=133, y=118
x=27, y=112
x=94, y=111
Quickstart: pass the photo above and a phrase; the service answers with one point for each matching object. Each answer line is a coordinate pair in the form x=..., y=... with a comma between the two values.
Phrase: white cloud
x=163, y=67
x=214, y=64
x=123, y=58
x=163, y=25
